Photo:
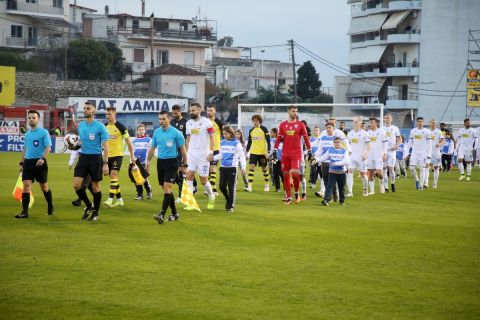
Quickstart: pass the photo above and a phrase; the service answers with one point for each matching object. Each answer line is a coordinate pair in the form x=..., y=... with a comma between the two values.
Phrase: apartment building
x=409, y=55
x=34, y=24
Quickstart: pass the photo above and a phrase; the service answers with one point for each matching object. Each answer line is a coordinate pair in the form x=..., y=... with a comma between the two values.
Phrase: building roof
x=173, y=69
x=83, y=8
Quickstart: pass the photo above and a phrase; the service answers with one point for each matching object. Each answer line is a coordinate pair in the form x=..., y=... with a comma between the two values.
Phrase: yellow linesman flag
x=18, y=190
x=188, y=199
x=7, y=86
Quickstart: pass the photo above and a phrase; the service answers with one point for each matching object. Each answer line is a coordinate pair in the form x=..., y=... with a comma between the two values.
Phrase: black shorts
x=114, y=163
x=261, y=159
x=30, y=171
x=167, y=170
x=89, y=164
x=214, y=162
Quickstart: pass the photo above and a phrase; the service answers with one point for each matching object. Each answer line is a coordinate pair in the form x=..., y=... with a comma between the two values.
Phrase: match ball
x=71, y=141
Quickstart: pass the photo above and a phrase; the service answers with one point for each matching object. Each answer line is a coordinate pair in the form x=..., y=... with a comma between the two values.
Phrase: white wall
x=443, y=54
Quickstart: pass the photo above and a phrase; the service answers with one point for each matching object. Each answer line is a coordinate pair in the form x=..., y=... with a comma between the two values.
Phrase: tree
x=13, y=59
x=89, y=59
x=308, y=82
x=119, y=69
x=268, y=96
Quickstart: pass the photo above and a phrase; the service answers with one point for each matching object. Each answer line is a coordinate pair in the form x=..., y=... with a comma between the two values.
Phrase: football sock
x=149, y=188
x=469, y=169
x=422, y=176
x=48, y=197
x=427, y=176
x=139, y=190
x=82, y=195
x=213, y=179
x=385, y=178
x=250, y=176
x=364, y=181
x=114, y=188
x=296, y=181
x=372, y=185
x=461, y=168
x=208, y=188
x=349, y=182
x=414, y=173
x=266, y=176
x=166, y=201
x=287, y=185
x=25, y=202
x=392, y=177
x=97, y=198
x=172, y=204
x=304, y=185
x=436, y=174
x=322, y=186
x=190, y=186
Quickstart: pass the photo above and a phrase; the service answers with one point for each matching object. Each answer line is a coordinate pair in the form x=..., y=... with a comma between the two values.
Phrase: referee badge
x=36, y=143
x=91, y=136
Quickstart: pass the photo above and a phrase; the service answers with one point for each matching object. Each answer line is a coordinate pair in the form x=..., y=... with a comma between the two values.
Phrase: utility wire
x=369, y=80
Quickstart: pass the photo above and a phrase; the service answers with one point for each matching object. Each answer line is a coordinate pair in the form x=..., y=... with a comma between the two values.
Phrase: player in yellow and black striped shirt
x=217, y=132
x=259, y=148
x=117, y=134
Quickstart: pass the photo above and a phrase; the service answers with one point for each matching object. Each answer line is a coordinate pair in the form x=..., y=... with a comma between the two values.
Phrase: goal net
x=316, y=114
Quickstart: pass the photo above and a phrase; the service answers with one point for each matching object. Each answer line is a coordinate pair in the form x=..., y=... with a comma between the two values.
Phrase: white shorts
x=418, y=160
x=358, y=164
x=436, y=159
x=198, y=164
x=467, y=155
x=391, y=159
x=375, y=163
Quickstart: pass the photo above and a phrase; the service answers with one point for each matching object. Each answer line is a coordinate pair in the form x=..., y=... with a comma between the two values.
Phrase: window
x=58, y=3
x=31, y=1
x=160, y=25
x=122, y=23
x=189, y=90
x=189, y=58
x=135, y=24
x=138, y=55
x=281, y=82
x=162, y=57
x=16, y=32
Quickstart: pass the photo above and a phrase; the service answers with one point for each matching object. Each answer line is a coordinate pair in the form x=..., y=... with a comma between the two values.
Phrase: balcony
x=393, y=5
x=403, y=71
x=401, y=99
x=204, y=35
x=34, y=9
x=403, y=38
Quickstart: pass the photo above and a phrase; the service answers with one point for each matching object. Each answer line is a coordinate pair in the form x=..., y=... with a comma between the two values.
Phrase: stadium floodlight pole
x=292, y=47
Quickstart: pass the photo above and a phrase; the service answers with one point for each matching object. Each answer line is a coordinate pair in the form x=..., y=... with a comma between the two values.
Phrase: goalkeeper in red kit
x=290, y=132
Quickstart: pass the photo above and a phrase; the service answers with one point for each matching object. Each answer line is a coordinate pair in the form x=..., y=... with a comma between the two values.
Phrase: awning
x=366, y=55
x=51, y=21
x=365, y=87
x=237, y=93
x=353, y=1
x=367, y=24
x=395, y=19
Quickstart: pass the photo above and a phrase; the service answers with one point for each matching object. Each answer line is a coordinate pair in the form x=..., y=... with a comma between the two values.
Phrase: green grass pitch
x=408, y=255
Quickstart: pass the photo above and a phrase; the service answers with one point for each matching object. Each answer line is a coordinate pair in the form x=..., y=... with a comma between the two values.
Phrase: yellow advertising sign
x=473, y=97
x=473, y=78
x=7, y=86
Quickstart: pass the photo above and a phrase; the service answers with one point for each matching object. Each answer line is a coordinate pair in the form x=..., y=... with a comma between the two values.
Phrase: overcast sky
x=318, y=25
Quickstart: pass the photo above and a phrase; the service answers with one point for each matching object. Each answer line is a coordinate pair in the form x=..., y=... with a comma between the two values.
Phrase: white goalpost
x=315, y=114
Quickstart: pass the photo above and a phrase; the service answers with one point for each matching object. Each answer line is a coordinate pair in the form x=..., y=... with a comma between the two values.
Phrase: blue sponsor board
x=15, y=142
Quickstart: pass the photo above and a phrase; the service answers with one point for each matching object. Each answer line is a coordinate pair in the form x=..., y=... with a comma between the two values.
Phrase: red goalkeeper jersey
x=291, y=134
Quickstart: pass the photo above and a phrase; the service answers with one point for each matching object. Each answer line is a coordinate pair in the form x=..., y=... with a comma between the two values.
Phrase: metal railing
x=201, y=34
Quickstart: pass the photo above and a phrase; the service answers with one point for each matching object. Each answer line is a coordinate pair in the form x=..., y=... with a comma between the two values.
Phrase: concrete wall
x=443, y=55
x=172, y=85
x=44, y=88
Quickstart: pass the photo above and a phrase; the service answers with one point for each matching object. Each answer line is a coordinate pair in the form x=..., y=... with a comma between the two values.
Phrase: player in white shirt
x=478, y=145
x=376, y=155
x=466, y=141
x=420, y=144
x=436, y=161
x=200, y=144
x=359, y=147
x=393, y=135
